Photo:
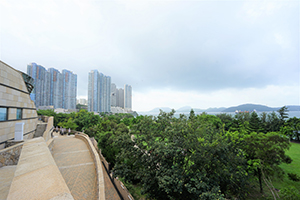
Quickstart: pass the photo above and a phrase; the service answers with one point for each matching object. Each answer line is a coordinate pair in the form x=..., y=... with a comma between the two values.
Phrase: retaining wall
x=10, y=155
x=47, y=135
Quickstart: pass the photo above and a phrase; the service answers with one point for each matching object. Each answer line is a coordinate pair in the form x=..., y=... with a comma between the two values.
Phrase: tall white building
x=128, y=97
x=99, y=92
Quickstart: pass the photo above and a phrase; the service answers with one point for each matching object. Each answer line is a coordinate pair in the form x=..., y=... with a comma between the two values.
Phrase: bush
x=293, y=177
x=289, y=193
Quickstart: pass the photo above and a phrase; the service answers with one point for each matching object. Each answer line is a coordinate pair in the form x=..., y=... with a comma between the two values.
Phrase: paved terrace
x=70, y=171
x=77, y=166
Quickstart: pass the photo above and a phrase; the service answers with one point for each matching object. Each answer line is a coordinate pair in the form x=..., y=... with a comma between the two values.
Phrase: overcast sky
x=173, y=53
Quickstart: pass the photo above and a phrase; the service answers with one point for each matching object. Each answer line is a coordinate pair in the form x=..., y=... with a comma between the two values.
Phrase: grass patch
x=294, y=167
x=294, y=153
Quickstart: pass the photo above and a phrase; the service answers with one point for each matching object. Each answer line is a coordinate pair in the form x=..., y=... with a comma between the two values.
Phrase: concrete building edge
x=99, y=172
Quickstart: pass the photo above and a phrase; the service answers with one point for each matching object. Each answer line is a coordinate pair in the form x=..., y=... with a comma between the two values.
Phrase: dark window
x=3, y=114
x=19, y=113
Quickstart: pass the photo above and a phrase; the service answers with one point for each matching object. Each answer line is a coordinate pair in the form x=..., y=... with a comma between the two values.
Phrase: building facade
x=39, y=95
x=113, y=99
x=128, y=97
x=69, y=89
x=53, y=88
x=99, y=92
x=120, y=100
x=56, y=88
x=16, y=105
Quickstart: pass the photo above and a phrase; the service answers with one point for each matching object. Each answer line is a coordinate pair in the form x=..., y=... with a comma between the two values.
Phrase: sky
x=173, y=53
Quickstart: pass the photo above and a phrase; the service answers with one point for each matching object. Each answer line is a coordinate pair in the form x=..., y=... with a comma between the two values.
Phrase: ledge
x=100, y=178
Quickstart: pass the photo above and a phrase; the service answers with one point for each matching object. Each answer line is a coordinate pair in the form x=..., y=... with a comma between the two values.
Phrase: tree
x=85, y=119
x=68, y=124
x=265, y=152
x=226, y=119
x=81, y=106
x=273, y=122
x=175, y=159
x=293, y=124
x=255, y=123
x=283, y=113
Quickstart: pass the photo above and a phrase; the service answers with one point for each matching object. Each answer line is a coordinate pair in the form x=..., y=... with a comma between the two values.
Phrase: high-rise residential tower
x=69, y=89
x=99, y=91
x=56, y=88
x=40, y=93
x=120, y=100
x=113, y=99
x=128, y=97
x=53, y=88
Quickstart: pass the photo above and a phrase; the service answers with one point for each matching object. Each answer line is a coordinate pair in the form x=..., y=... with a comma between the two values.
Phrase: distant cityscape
x=53, y=88
x=58, y=90
x=104, y=96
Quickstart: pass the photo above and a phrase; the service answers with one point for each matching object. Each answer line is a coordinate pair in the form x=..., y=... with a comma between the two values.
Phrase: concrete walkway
x=76, y=165
x=7, y=174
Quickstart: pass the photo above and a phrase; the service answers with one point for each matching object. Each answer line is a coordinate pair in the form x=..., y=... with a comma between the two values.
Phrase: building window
x=3, y=114
x=19, y=113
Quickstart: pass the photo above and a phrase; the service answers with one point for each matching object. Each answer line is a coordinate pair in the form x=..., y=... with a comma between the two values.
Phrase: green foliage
x=293, y=128
x=265, y=152
x=68, y=124
x=254, y=123
x=290, y=193
x=226, y=119
x=293, y=177
x=85, y=119
x=283, y=113
x=81, y=106
x=180, y=158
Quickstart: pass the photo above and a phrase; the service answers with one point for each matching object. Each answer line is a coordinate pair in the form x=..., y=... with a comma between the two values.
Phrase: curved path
x=76, y=165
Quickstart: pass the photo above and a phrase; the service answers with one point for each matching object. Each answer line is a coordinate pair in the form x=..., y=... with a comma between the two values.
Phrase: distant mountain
x=184, y=109
x=293, y=108
x=250, y=107
x=215, y=109
x=243, y=107
x=156, y=110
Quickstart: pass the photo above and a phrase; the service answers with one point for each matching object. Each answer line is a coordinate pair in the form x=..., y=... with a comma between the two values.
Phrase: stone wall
x=10, y=155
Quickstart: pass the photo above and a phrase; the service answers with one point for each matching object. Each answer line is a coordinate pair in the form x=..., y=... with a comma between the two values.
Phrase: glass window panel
x=19, y=113
x=3, y=114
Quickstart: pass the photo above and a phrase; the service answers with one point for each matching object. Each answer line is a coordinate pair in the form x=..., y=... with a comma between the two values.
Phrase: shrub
x=289, y=193
x=293, y=177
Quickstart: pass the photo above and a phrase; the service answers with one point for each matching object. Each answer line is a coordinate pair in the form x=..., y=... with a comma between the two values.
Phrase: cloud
x=187, y=47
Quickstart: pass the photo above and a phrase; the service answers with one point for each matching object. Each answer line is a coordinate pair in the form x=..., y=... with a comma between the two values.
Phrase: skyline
x=173, y=53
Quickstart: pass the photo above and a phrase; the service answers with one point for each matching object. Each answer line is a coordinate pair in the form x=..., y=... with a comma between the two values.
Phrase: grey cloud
x=194, y=45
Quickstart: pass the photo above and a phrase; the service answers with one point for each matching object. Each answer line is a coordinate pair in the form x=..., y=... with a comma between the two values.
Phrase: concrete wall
x=40, y=129
x=47, y=135
x=13, y=95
